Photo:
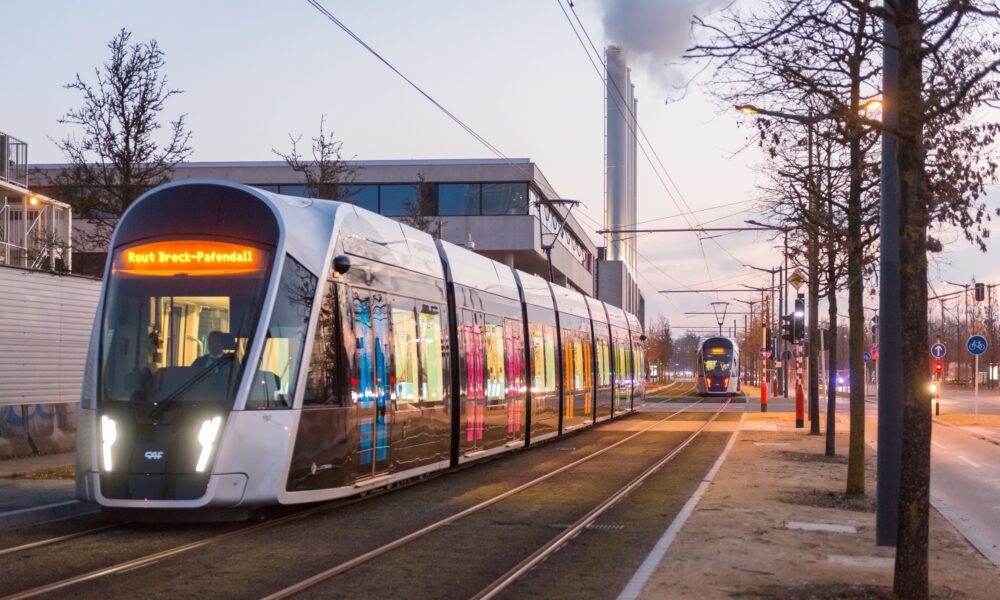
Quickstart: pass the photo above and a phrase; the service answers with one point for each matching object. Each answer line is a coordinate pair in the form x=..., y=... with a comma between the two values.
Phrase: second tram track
x=557, y=542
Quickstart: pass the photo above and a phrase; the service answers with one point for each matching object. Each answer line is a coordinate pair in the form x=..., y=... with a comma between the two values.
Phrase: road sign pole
x=975, y=377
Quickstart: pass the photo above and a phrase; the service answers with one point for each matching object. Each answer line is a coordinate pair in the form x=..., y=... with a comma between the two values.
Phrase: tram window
x=431, y=353
x=495, y=376
x=177, y=338
x=579, y=379
x=277, y=373
x=474, y=358
x=406, y=384
x=325, y=369
x=550, y=358
x=514, y=349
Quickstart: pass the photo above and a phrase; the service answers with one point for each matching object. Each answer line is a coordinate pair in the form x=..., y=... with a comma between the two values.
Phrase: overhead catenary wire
x=637, y=130
x=482, y=140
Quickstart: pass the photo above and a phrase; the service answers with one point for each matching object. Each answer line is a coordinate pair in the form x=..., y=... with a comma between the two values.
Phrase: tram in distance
x=254, y=349
x=718, y=368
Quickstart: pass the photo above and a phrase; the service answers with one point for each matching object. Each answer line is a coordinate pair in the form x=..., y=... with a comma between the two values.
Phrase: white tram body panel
x=255, y=349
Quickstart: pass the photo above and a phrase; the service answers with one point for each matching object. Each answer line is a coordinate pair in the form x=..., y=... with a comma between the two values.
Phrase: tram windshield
x=178, y=320
x=717, y=360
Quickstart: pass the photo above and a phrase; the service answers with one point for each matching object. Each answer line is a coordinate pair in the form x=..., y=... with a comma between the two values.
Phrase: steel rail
x=553, y=545
x=175, y=551
x=55, y=540
x=366, y=557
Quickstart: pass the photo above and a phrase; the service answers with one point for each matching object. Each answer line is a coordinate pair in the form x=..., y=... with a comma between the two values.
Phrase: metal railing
x=13, y=160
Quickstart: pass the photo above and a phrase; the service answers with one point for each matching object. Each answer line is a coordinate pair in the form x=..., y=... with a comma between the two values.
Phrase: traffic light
x=980, y=292
x=787, y=328
x=938, y=367
x=799, y=329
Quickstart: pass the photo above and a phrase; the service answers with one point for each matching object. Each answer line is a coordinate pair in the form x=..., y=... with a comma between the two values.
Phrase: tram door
x=370, y=381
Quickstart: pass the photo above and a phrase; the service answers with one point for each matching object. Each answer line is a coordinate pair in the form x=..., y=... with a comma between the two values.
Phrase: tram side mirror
x=341, y=264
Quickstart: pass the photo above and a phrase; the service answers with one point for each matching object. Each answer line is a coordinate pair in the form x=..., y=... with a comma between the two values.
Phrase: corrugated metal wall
x=45, y=324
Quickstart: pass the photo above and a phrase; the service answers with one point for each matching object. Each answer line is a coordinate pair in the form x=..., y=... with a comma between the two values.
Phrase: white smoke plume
x=655, y=33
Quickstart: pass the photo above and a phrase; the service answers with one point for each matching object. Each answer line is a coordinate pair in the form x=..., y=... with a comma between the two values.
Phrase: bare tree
x=659, y=344
x=422, y=211
x=949, y=67
x=327, y=175
x=117, y=155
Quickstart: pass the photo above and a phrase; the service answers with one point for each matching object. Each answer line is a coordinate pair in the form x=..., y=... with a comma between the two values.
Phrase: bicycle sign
x=977, y=345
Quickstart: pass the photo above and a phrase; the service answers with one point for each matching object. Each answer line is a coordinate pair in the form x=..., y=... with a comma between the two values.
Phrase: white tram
x=718, y=369
x=255, y=349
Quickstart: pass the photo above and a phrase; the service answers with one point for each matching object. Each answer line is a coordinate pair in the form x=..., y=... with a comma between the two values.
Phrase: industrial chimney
x=620, y=157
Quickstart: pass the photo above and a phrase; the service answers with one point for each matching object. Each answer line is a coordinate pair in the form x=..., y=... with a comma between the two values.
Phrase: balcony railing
x=13, y=160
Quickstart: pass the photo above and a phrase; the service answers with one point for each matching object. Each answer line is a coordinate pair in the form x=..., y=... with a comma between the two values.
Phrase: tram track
x=539, y=555
x=175, y=551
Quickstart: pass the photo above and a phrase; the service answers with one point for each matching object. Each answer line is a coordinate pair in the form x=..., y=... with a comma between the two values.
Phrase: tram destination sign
x=188, y=257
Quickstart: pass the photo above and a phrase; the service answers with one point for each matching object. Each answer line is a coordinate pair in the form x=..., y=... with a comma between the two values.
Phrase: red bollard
x=763, y=396
x=799, y=405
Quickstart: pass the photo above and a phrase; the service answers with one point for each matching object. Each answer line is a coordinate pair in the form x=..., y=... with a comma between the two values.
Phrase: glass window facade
x=505, y=199
x=365, y=196
x=394, y=199
x=459, y=199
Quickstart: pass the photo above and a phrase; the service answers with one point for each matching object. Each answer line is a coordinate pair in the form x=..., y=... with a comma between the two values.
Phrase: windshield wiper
x=198, y=377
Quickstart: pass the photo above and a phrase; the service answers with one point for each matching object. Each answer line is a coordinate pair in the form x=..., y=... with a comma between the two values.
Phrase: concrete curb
x=48, y=512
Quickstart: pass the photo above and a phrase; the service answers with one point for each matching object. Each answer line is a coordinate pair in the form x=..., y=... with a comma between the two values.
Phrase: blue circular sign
x=977, y=345
x=938, y=350
x=868, y=356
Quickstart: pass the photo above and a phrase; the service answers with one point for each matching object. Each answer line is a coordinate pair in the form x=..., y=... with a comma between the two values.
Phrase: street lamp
x=547, y=248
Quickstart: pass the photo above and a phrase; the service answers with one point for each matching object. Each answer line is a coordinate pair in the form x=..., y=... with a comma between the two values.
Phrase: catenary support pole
x=890, y=392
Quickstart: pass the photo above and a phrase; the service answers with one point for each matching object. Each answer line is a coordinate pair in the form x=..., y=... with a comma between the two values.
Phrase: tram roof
x=479, y=272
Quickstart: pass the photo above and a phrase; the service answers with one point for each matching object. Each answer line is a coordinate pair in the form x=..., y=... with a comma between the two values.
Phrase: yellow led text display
x=189, y=257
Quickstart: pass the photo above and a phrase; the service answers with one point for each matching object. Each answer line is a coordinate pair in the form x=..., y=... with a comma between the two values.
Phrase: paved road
x=965, y=486
x=963, y=400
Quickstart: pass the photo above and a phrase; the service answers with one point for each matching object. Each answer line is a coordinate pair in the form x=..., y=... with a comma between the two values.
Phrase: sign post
x=977, y=345
x=765, y=353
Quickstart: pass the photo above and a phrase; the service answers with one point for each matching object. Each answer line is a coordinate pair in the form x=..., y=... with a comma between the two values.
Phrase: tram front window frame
x=179, y=338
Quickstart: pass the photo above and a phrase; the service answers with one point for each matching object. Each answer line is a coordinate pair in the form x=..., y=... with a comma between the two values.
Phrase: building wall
x=45, y=327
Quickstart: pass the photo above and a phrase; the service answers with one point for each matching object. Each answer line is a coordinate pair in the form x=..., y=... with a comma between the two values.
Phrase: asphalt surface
x=455, y=561
x=965, y=486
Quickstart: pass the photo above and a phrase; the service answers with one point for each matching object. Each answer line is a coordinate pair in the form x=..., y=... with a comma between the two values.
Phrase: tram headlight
x=109, y=433
x=206, y=437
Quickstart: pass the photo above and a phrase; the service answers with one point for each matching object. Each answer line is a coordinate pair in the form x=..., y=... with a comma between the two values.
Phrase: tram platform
x=36, y=489
x=774, y=523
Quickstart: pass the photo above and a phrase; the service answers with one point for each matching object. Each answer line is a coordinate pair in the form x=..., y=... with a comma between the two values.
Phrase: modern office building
x=499, y=208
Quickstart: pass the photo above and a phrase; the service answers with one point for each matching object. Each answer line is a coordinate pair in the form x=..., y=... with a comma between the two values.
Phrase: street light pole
x=562, y=223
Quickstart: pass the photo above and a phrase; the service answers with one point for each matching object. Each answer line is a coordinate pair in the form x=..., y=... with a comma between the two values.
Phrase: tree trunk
x=831, y=347
x=911, y=579
x=856, y=325
x=813, y=336
x=855, y=278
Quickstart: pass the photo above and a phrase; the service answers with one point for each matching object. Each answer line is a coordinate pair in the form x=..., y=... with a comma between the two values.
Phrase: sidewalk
x=775, y=524
x=38, y=488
